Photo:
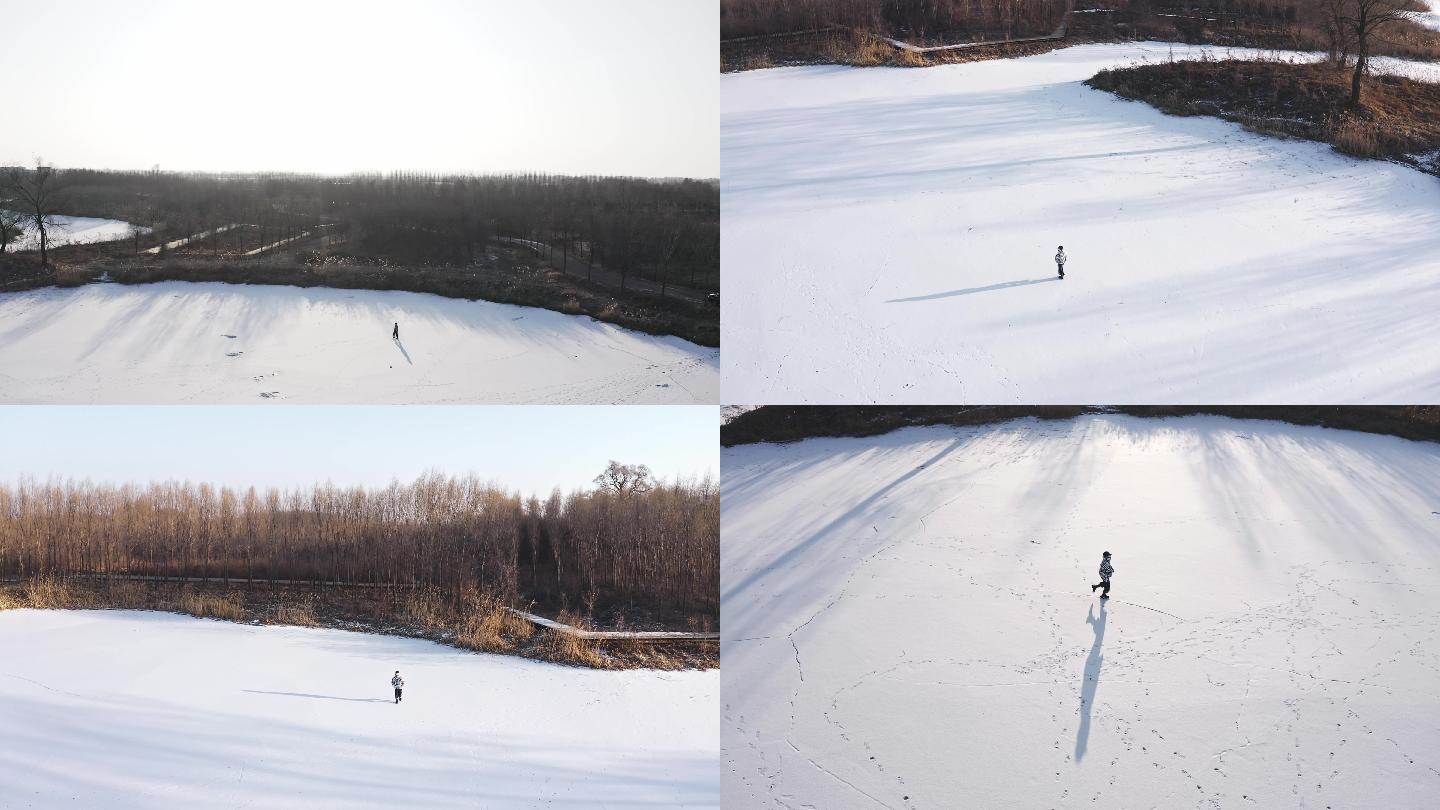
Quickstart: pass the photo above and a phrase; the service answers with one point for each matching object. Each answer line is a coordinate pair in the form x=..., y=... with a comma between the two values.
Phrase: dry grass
x=228, y=606
x=1398, y=118
x=489, y=626
x=427, y=608
x=302, y=615
x=474, y=620
x=1357, y=138
x=126, y=594
x=50, y=593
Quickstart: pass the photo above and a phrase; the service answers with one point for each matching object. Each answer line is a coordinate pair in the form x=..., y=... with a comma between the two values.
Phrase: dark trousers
x=1061, y=268
x=1104, y=583
x=397, y=694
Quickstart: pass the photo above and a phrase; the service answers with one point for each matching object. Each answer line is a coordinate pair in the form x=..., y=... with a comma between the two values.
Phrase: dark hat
x=1107, y=554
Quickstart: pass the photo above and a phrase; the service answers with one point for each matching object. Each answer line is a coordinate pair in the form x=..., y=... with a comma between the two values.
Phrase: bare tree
x=626, y=479
x=12, y=226
x=1340, y=40
x=1361, y=20
x=39, y=195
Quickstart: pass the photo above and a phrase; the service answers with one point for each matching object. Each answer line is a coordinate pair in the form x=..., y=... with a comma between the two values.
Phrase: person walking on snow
x=1105, y=571
x=1060, y=260
x=399, y=684
x=395, y=335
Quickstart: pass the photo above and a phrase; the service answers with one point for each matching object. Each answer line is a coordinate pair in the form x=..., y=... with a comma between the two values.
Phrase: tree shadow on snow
x=1091, y=682
x=321, y=697
x=973, y=290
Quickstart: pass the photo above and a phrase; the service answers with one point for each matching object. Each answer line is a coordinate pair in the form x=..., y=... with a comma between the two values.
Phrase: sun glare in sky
x=561, y=86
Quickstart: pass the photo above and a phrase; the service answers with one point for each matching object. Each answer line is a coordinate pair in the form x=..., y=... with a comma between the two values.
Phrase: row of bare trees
x=656, y=545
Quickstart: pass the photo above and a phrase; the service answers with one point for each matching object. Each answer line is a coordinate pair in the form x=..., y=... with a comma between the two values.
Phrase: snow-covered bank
x=1430, y=19
x=889, y=236
x=77, y=231
x=206, y=343
x=906, y=618
x=146, y=710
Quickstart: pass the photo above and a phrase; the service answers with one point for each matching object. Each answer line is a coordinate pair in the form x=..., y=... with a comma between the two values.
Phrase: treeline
x=666, y=230
x=915, y=21
x=786, y=423
x=657, y=548
x=1290, y=24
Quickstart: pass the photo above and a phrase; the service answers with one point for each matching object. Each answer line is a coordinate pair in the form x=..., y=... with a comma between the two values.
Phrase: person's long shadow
x=320, y=697
x=402, y=351
x=973, y=290
x=1092, y=680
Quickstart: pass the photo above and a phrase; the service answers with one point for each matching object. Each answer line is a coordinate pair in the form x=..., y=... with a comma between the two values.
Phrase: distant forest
x=664, y=230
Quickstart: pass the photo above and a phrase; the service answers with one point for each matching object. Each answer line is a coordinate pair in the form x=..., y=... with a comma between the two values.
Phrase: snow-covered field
x=76, y=231
x=889, y=236
x=907, y=620
x=207, y=343
x=129, y=709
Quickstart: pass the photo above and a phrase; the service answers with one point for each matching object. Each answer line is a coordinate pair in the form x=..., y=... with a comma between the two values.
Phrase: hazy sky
x=332, y=86
x=530, y=449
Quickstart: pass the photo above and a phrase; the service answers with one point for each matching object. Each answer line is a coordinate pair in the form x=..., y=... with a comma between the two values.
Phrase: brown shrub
x=564, y=648
x=53, y=593
x=228, y=606
x=493, y=628
x=1357, y=138
x=302, y=615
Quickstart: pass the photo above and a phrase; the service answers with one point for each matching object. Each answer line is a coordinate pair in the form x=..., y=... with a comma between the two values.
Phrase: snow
x=175, y=342
x=1429, y=19
x=76, y=231
x=908, y=615
x=130, y=709
x=889, y=235
x=729, y=413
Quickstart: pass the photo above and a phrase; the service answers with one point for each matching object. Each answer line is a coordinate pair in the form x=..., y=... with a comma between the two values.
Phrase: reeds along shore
x=658, y=549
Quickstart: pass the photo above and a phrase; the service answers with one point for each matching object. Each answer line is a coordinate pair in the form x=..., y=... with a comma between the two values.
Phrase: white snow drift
x=206, y=343
x=907, y=620
x=145, y=710
x=76, y=231
x=889, y=236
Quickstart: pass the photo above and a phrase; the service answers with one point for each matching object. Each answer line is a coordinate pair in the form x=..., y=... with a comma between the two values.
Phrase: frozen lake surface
x=176, y=342
x=131, y=710
x=907, y=618
x=889, y=236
